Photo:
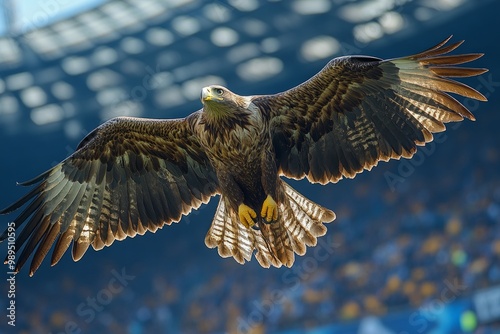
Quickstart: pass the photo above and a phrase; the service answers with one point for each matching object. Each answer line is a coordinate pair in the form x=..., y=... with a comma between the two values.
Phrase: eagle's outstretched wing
x=359, y=110
x=128, y=176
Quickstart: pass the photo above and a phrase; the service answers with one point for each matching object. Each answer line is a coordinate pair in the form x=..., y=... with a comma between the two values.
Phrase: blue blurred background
x=416, y=244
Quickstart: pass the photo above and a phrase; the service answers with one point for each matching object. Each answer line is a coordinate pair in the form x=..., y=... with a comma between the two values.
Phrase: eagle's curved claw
x=269, y=210
x=246, y=215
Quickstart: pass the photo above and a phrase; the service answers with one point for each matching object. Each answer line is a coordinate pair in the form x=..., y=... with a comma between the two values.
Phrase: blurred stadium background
x=416, y=244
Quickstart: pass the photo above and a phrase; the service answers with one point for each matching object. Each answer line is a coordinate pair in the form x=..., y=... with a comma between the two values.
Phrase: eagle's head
x=224, y=111
x=215, y=94
x=219, y=102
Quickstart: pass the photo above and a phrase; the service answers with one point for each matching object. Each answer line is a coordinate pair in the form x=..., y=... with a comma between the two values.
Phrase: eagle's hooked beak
x=208, y=95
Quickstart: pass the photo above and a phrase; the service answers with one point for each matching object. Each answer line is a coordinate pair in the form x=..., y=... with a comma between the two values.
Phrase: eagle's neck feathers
x=220, y=119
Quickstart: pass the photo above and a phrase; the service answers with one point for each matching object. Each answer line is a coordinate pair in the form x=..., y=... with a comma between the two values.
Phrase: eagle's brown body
x=240, y=153
x=133, y=175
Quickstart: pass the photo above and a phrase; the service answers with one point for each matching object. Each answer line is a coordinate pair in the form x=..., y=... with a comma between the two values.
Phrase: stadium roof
x=136, y=57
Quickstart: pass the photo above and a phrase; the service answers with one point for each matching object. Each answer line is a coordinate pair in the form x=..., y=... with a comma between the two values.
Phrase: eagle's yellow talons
x=246, y=214
x=269, y=209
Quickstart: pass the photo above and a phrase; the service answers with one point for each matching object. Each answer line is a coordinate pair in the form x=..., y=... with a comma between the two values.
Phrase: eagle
x=133, y=175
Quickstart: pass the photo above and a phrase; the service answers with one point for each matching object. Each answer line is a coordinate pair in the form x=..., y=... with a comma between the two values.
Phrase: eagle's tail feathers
x=233, y=239
x=299, y=224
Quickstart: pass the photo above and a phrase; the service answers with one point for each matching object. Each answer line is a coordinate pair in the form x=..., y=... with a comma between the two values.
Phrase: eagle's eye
x=219, y=91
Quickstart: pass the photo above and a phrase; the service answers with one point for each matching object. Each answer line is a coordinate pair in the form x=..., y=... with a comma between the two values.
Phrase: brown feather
x=457, y=71
x=438, y=49
x=61, y=246
x=45, y=245
x=79, y=248
x=450, y=60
